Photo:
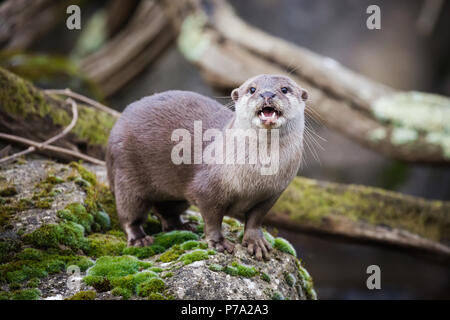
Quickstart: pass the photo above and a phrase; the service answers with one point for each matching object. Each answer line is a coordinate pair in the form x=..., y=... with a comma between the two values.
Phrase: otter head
x=269, y=101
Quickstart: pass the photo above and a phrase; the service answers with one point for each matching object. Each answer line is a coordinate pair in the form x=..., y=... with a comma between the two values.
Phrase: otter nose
x=267, y=96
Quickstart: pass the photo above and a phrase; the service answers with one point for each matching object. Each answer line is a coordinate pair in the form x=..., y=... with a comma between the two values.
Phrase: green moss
x=306, y=282
x=270, y=239
x=11, y=206
x=32, y=263
x=84, y=173
x=194, y=218
x=215, y=267
x=154, y=285
x=122, y=292
x=103, y=219
x=77, y=213
x=33, y=283
x=156, y=269
x=30, y=254
x=110, y=267
x=172, y=254
x=245, y=271
x=14, y=286
x=152, y=225
x=53, y=235
x=289, y=278
x=284, y=246
x=200, y=228
x=5, y=295
x=43, y=204
x=264, y=276
x=193, y=256
x=8, y=249
x=105, y=245
x=234, y=224
x=100, y=283
x=193, y=244
x=277, y=296
x=8, y=192
x=242, y=270
x=26, y=294
x=156, y=296
x=167, y=275
x=131, y=282
x=143, y=252
x=81, y=261
x=168, y=239
x=83, y=295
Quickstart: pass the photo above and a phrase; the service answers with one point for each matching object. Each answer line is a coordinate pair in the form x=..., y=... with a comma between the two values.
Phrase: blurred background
x=410, y=52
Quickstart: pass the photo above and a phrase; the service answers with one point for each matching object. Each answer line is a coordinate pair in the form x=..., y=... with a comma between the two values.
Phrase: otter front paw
x=256, y=244
x=221, y=245
x=140, y=242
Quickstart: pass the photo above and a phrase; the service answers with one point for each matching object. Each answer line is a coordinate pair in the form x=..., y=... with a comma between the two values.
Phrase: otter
x=143, y=176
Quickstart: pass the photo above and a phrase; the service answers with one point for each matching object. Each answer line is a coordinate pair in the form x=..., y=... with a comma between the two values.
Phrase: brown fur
x=142, y=174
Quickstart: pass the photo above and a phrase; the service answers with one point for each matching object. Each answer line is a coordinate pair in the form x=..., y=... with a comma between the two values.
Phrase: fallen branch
x=41, y=146
x=93, y=103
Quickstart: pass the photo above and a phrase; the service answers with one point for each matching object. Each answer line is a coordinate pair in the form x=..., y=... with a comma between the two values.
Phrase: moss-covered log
x=30, y=113
x=364, y=214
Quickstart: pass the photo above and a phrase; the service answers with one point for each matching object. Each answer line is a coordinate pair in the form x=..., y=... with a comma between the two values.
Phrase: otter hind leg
x=169, y=213
x=132, y=212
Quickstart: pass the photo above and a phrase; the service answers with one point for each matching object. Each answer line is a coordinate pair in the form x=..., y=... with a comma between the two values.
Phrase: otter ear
x=235, y=94
x=304, y=94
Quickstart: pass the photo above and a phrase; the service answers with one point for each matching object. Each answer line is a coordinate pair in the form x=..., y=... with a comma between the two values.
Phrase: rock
x=59, y=239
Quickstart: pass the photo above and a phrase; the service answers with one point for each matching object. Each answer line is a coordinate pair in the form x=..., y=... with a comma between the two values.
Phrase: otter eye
x=284, y=90
x=252, y=90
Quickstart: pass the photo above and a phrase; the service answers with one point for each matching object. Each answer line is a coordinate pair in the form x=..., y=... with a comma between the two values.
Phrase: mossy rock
x=80, y=230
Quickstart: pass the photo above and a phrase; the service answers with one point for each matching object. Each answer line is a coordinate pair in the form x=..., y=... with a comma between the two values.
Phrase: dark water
x=339, y=270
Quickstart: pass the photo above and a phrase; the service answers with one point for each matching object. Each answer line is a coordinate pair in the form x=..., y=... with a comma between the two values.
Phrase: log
x=141, y=41
x=22, y=22
x=356, y=213
x=408, y=126
x=30, y=113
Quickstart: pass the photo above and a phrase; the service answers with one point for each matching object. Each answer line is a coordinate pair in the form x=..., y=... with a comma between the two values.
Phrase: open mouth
x=268, y=115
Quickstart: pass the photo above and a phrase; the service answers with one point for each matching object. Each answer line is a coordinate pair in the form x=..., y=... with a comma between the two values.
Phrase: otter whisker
x=308, y=141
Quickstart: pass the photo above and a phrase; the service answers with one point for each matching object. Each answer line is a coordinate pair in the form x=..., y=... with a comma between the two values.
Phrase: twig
x=36, y=145
x=46, y=144
x=95, y=104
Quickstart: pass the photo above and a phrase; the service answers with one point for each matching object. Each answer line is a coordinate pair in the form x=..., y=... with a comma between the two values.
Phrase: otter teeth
x=264, y=117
